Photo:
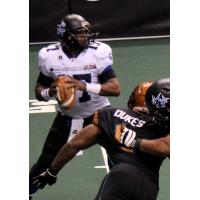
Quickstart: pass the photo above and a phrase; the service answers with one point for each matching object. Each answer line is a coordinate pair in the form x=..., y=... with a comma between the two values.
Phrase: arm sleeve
x=42, y=62
x=103, y=119
x=104, y=57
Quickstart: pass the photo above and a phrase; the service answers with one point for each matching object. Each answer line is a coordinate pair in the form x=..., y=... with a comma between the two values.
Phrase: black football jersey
x=115, y=124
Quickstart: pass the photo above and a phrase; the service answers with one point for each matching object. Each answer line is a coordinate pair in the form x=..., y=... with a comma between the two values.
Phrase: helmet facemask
x=83, y=37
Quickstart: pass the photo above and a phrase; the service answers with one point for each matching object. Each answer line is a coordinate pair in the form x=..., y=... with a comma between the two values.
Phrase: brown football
x=65, y=94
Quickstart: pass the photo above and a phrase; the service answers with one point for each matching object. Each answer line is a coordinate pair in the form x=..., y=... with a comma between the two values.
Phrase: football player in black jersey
x=121, y=131
x=160, y=146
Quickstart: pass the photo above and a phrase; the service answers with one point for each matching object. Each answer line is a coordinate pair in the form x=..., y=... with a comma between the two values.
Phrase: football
x=65, y=93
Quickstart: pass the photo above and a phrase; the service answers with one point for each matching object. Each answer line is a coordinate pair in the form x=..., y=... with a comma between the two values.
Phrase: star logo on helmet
x=160, y=101
x=85, y=24
x=61, y=28
x=63, y=24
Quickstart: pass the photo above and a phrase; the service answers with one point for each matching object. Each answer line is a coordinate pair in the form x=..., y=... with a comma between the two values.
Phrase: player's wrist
x=137, y=145
x=94, y=88
x=52, y=172
x=45, y=94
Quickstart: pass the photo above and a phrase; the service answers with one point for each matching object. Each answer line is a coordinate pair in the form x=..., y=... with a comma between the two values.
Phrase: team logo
x=160, y=101
x=84, y=24
x=61, y=28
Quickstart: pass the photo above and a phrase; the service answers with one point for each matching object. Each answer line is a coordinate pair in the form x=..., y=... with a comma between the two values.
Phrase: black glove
x=136, y=146
x=48, y=177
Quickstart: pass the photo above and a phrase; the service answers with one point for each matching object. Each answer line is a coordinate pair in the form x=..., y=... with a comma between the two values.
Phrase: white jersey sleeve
x=104, y=56
x=42, y=56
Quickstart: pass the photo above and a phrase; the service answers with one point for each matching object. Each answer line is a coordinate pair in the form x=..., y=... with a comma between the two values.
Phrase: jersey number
x=87, y=77
x=125, y=136
x=53, y=49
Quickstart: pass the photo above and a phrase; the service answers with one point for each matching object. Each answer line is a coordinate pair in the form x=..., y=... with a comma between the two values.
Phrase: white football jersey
x=90, y=63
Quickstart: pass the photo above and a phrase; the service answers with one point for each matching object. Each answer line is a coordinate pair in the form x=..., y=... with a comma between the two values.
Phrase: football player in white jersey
x=89, y=65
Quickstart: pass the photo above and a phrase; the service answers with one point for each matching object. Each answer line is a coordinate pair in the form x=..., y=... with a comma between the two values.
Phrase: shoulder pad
x=44, y=51
x=102, y=49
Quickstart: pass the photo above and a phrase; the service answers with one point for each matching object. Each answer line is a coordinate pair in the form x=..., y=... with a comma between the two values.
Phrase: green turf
x=134, y=61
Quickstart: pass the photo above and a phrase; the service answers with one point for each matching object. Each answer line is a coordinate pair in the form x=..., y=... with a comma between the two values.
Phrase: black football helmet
x=157, y=97
x=157, y=100
x=70, y=26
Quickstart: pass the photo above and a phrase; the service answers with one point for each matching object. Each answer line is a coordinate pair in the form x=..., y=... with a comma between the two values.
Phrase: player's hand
x=53, y=90
x=77, y=84
x=43, y=179
x=140, y=109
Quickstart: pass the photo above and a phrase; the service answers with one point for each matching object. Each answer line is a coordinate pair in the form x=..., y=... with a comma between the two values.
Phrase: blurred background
x=113, y=19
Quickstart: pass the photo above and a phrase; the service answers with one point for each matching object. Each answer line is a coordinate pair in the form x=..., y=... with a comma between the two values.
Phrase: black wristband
x=52, y=171
x=137, y=145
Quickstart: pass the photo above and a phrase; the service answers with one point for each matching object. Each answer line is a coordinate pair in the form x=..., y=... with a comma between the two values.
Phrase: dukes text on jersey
x=133, y=121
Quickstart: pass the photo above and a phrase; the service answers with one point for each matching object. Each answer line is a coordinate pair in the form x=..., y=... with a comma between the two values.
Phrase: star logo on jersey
x=61, y=28
x=160, y=101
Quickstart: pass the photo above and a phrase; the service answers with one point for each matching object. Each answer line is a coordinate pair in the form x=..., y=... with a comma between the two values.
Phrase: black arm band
x=106, y=75
x=44, y=80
